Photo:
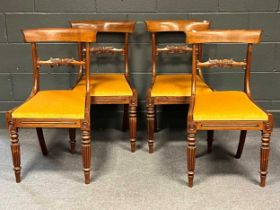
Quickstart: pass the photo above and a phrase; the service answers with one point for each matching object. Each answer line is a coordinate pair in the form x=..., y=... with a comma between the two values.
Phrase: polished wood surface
x=106, y=26
x=226, y=36
x=61, y=35
x=160, y=26
x=130, y=102
x=176, y=25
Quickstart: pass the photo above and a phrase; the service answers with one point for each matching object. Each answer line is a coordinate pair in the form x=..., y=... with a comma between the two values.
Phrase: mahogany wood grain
x=224, y=36
x=59, y=35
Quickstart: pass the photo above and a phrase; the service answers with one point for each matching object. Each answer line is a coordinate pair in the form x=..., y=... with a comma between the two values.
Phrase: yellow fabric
x=62, y=104
x=176, y=85
x=106, y=85
x=226, y=105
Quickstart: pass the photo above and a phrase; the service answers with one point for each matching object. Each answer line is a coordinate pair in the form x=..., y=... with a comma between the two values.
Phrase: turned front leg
x=151, y=128
x=15, y=148
x=86, y=151
x=264, y=157
x=191, y=150
x=132, y=127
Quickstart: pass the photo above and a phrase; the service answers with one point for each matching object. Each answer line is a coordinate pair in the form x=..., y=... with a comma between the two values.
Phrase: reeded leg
x=191, y=149
x=42, y=142
x=264, y=157
x=132, y=127
x=125, y=118
x=242, y=139
x=156, y=120
x=86, y=150
x=151, y=129
x=210, y=138
x=72, y=141
x=15, y=148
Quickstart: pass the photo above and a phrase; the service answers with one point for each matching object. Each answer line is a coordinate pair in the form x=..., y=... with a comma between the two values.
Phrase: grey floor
x=122, y=180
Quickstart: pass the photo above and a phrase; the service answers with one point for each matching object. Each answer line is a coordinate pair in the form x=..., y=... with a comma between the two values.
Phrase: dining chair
x=171, y=88
x=226, y=110
x=54, y=108
x=112, y=88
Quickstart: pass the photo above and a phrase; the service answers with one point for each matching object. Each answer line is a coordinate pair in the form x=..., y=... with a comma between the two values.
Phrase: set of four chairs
x=208, y=109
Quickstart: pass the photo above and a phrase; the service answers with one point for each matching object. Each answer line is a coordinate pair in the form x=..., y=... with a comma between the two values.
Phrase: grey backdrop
x=15, y=56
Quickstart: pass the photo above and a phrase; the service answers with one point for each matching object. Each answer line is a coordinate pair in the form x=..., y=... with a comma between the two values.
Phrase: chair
x=116, y=88
x=54, y=108
x=170, y=88
x=226, y=110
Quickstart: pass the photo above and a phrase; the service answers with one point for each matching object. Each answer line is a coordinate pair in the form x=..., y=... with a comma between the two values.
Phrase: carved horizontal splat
x=61, y=62
x=106, y=50
x=172, y=49
x=222, y=63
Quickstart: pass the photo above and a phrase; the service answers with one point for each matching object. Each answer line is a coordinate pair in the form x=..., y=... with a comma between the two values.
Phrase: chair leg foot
x=151, y=126
x=241, y=143
x=42, y=142
x=132, y=127
x=15, y=149
x=86, y=151
x=264, y=157
x=72, y=141
x=210, y=138
x=191, y=150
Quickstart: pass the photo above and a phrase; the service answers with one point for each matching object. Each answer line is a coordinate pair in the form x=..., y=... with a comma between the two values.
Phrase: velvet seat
x=226, y=105
x=64, y=104
x=176, y=85
x=107, y=85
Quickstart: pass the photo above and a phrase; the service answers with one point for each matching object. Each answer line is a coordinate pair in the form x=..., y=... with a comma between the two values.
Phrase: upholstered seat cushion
x=226, y=105
x=176, y=85
x=61, y=104
x=106, y=85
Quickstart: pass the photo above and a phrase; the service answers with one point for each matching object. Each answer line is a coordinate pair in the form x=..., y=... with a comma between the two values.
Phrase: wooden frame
x=159, y=26
x=61, y=35
x=248, y=37
x=129, y=102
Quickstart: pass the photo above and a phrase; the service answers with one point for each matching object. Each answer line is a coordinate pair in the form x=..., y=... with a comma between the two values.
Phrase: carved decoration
x=172, y=49
x=61, y=62
x=221, y=63
x=106, y=50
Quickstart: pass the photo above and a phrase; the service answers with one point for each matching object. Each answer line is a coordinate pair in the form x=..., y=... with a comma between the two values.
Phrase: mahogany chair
x=170, y=88
x=112, y=88
x=226, y=110
x=54, y=108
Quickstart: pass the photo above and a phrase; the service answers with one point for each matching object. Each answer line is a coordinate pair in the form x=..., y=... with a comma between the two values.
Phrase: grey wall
x=15, y=56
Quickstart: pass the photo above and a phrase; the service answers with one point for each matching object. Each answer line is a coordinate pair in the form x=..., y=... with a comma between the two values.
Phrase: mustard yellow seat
x=106, y=85
x=226, y=105
x=62, y=104
x=176, y=85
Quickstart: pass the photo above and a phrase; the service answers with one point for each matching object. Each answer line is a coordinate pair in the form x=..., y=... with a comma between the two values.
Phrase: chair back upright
x=248, y=37
x=60, y=35
x=161, y=26
x=120, y=27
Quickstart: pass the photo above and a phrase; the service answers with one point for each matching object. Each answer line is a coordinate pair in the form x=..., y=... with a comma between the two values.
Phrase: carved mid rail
x=172, y=49
x=221, y=63
x=61, y=62
x=106, y=50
